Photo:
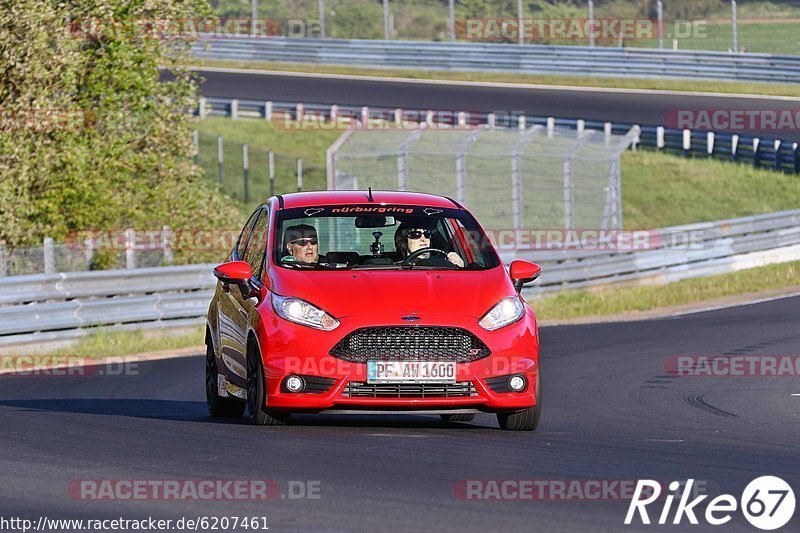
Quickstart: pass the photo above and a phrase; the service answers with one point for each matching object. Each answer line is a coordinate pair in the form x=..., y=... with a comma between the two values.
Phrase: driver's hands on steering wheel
x=455, y=259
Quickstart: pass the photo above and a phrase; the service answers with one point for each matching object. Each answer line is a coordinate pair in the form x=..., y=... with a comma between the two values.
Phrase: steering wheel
x=414, y=255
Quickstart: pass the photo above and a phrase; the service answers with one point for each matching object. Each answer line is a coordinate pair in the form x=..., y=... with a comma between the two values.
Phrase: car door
x=241, y=305
x=233, y=342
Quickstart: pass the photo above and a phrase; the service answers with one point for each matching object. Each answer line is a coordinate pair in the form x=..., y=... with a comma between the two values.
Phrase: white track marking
x=726, y=306
x=490, y=84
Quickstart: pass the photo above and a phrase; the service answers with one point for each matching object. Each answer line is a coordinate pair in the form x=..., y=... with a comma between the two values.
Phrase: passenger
x=411, y=237
x=302, y=244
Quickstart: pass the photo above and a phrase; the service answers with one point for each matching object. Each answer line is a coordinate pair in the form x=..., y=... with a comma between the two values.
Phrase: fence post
x=551, y=126
x=756, y=152
x=166, y=245
x=268, y=111
x=735, y=147
x=253, y=17
x=796, y=154
x=660, y=12
x=49, y=257
x=299, y=175
x=687, y=142
x=271, y=173
x=521, y=33
x=234, y=109
x=220, y=170
x=202, y=107
x=246, y=166
x=4, y=261
x=735, y=29
x=322, y=30
x=196, y=140
x=451, y=22
x=491, y=120
x=778, y=155
x=568, y=196
x=710, y=142
x=365, y=115
x=660, y=137
x=88, y=251
x=130, y=249
x=386, y=30
x=580, y=125
x=591, y=23
x=299, y=113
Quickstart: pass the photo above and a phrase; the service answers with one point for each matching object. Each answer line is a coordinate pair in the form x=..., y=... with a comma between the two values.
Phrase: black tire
x=458, y=418
x=218, y=406
x=527, y=420
x=257, y=412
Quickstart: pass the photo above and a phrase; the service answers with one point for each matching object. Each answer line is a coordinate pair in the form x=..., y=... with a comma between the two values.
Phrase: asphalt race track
x=610, y=413
x=630, y=107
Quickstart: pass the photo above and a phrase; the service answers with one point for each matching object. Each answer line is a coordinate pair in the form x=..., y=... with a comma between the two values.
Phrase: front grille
x=420, y=343
x=461, y=389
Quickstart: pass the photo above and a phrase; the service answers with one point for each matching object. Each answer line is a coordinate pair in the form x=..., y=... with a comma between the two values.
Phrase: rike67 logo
x=767, y=503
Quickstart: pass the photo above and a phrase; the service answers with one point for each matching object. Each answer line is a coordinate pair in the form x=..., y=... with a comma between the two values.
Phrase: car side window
x=254, y=255
x=241, y=242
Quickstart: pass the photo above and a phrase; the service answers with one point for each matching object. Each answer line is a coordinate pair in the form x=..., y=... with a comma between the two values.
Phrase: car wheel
x=219, y=406
x=526, y=420
x=257, y=412
x=458, y=418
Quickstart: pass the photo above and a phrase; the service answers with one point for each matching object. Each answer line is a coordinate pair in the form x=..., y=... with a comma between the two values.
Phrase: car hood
x=421, y=292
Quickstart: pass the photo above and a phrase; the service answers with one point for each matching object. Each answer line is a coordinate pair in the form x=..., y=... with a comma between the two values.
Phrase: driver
x=411, y=236
x=302, y=244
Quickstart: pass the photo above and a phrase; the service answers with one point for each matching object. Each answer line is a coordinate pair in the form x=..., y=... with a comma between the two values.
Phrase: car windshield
x=381, y=237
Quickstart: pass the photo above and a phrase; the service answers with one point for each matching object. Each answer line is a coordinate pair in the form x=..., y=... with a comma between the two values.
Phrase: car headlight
x=301, y=312
x=505, y=312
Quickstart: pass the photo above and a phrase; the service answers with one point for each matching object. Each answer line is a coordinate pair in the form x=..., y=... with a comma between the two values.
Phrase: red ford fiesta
x=357, y=302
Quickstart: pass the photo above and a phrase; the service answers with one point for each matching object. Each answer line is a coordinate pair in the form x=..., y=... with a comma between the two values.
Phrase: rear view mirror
x=523, y=272
x=374, y=221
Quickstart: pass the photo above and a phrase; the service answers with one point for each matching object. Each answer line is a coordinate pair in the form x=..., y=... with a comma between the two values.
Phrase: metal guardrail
x=52, y=307
x=760, y=152
x=520, y=59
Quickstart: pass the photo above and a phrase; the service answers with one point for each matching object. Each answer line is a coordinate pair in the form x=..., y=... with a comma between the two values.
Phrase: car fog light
x=294, y=384
x=516, y=383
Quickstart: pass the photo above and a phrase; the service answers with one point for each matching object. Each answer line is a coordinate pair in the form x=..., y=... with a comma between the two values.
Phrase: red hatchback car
x=364, y=302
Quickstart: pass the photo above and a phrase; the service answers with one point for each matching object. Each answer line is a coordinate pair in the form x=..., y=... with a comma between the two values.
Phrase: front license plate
x=411, y=372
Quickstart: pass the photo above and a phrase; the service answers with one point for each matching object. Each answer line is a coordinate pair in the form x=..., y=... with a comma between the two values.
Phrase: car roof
x=303, y=199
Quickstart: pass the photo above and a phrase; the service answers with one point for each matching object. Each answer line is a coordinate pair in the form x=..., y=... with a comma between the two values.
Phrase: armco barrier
x=44, y=308
x=520, y=59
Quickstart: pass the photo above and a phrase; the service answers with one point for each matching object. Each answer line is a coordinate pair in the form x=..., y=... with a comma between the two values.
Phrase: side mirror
x=234, y=272
x=523, y=272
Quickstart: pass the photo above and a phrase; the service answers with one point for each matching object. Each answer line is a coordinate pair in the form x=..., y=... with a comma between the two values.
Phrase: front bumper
x=290, y=349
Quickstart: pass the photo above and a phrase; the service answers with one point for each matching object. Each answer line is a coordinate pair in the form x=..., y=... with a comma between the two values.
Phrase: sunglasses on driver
x=418, y=234
x=305, y=242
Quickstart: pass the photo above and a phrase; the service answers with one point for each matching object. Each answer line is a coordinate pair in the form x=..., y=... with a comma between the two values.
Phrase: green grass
x=766, y=89
x=107, y=342
x=585, y=303
x=660, y=190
